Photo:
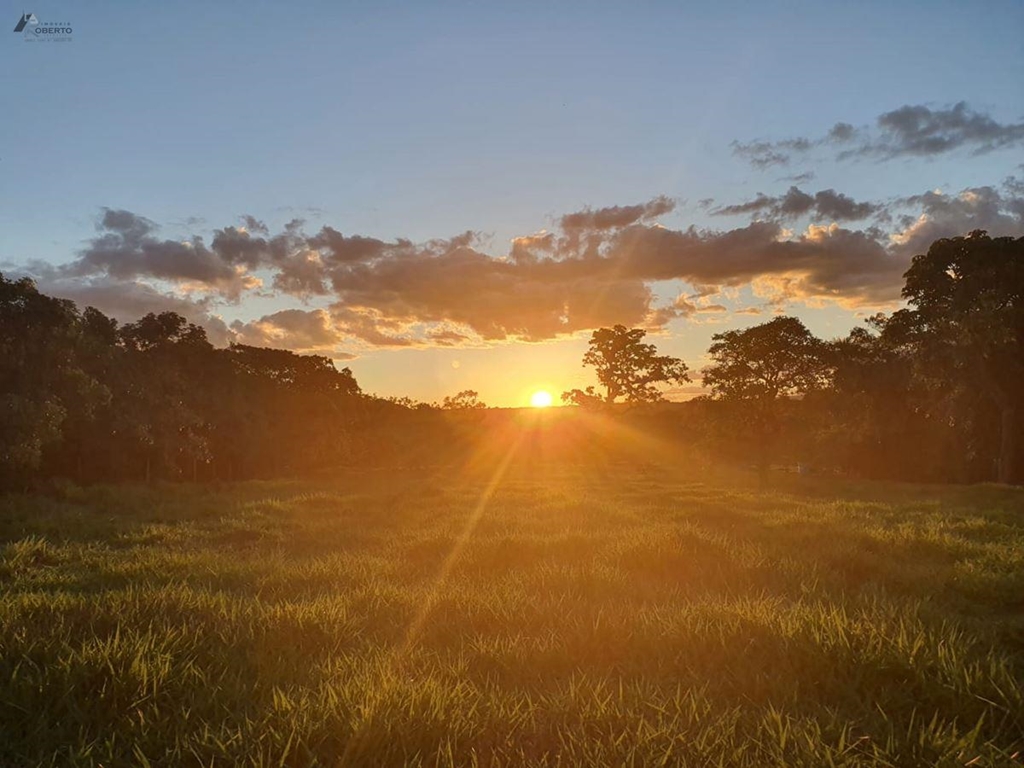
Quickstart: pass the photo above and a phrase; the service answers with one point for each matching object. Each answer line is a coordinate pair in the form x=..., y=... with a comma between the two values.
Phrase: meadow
x=523, y=615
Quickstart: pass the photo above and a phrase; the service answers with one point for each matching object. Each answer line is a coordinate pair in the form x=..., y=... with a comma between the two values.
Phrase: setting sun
x=541, y=399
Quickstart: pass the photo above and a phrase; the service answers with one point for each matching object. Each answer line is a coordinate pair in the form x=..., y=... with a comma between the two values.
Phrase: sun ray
x=396, y=659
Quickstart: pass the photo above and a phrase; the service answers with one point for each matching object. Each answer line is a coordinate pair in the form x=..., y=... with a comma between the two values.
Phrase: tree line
x=87, y=399
x=934, y=391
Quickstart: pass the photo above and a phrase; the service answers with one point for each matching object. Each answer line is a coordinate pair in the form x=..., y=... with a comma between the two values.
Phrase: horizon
x=467, y=227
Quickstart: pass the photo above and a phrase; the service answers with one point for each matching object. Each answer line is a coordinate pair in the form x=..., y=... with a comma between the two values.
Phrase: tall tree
x=626, y=367
x=756, y=368
x=41, y=378
x=968, y=300
x=882, y=414
x=158, y=426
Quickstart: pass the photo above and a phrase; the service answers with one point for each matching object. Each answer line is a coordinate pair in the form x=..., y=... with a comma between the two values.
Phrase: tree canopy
x=967, y=295
x=780, y=358
x=626, y=367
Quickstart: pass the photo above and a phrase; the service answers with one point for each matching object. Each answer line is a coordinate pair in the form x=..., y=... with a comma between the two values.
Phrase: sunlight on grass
x=493, y=618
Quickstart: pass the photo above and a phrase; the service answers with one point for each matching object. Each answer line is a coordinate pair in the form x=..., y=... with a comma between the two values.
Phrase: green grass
x=568, y=619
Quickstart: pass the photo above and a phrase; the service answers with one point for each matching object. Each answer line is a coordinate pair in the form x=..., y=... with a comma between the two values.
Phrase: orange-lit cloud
x=597, y=268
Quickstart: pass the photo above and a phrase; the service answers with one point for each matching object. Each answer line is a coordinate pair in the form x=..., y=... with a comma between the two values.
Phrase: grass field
x=554, y=618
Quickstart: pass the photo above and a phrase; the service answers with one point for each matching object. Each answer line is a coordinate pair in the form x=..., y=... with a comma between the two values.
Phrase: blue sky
x=425, y=121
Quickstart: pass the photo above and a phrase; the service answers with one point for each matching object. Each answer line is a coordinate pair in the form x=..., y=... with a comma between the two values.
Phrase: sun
x=541, y=399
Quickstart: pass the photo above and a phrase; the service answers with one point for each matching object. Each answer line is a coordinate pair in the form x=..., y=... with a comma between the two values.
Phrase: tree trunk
x=1008, y=427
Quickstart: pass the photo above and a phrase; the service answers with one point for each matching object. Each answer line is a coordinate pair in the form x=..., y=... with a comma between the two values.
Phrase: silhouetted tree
x=41, y=379
x=159, y=413
x=967, y=295
x=467, y=399
x=286, y=412
x=626, y=367
x=878, y=417
x=755, y=368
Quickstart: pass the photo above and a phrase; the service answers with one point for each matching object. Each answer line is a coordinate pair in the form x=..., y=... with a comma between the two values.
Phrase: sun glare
x=541, y=399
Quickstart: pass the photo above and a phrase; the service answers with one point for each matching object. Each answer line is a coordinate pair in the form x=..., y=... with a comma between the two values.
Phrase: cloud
x=944, y=215
x=918, y=130
x=312, y=331
x=126, y=248
x=826, y=205
x=529, y=248
x=495, y=298
x=908, y=131
x=835, y=206
x=615, y=217
x=833, y=263
x=799, y=178
x=376, y=293
x=446, y=337
x=764, y=154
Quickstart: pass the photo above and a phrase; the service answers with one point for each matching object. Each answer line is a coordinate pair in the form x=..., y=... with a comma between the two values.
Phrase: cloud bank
x=338, y=293
x=596, y=269
x=908, y=131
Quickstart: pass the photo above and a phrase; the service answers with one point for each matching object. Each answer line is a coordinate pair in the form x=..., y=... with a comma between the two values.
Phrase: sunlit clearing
x=541, y=399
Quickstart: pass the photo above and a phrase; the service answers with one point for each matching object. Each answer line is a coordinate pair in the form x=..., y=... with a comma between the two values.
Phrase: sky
x=452, y=196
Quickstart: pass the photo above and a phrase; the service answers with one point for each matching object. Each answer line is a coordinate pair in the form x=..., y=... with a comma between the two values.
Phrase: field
x=632, y=616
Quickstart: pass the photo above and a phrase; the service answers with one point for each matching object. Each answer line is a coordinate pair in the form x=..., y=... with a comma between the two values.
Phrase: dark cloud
x=255, y=225
x=908, y=131
x=764, y=154
x=496, y=298
x=125, y=248
x=841, y=132
x=236, y=246
x=835, y=206
x=338, y=249
x=799, y=178
x=918, y=130
x=395, y=293
x=795, y=203
x=853, y=267
x=615, y=217
x=826, y=205
x=759, y=204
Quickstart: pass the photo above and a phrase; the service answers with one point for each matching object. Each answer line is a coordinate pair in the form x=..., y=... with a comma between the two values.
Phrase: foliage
x=780, y=358
x=626, y=368
x=967, y=295
x=86, y=399
x=755, y=368
x=44, y=384
x=465, y=400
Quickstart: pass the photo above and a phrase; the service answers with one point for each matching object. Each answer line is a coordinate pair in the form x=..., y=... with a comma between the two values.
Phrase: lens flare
x=541, y=399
